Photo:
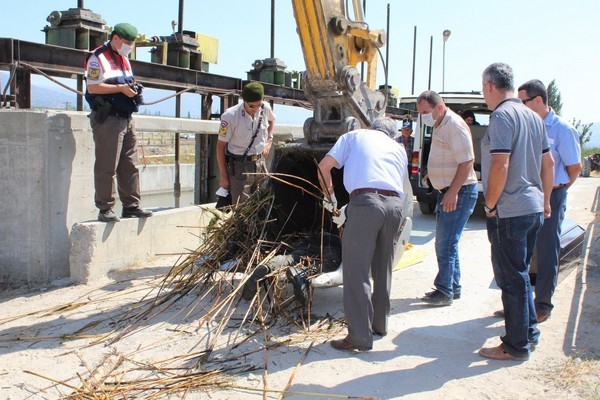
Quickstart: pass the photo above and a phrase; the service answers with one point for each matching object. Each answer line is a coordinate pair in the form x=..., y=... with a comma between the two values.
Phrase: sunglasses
x=525, y=101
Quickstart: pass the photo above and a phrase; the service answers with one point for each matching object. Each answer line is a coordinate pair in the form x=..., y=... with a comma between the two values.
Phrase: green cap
x=253, y=91
x=126, y=31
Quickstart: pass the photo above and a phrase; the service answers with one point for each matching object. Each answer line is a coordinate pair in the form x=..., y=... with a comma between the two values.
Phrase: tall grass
x=159, y=148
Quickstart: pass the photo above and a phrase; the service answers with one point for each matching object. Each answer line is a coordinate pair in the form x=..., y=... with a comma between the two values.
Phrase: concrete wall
x=46, y=164
x=158, y=178
x=97, y=248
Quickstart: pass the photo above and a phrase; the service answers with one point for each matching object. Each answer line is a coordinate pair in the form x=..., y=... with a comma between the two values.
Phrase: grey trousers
x=116, y=155
x=368, y=250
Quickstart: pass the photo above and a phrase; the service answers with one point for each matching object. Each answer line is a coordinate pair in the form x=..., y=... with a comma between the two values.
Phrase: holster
x=229, y=163
x=102, y=109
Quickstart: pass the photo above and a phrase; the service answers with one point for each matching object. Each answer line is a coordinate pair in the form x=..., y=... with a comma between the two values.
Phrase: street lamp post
x=445, y=36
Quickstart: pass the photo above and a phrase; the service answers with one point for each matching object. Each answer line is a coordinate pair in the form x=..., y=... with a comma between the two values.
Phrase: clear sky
x=540, y=39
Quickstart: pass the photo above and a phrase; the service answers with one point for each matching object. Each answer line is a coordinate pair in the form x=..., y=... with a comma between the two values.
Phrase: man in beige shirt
x=450, y=170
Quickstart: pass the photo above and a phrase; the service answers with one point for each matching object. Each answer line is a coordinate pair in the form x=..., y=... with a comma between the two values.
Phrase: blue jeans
x=547, y=250
x=512, y=241
x=448, y=230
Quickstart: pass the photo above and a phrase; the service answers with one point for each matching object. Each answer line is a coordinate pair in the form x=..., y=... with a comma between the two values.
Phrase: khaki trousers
x=245, y=178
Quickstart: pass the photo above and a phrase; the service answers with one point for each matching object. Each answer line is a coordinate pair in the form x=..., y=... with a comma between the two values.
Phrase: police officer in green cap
x=245, y=139
x=113, y=95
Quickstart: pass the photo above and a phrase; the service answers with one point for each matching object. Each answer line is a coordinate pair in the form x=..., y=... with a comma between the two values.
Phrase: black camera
x=138, y=98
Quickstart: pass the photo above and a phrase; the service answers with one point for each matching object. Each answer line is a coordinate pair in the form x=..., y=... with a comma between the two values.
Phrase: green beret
x=253, y=91
x=126, y=31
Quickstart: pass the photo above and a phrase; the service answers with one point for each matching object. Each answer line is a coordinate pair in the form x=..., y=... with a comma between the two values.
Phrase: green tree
x=554, y=97
x=585, y=134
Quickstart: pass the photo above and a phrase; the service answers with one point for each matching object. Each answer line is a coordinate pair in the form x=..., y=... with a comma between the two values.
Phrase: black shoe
x=135, y=212
x=107, y=216
x=532, y=346
x=298, y=278
x=455, y=296
x=251, y=285
x=437, y=298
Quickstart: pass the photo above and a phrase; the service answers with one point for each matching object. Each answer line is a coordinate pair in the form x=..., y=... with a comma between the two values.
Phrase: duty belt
x=248, y=157
x=356, y=192
x=117, y=113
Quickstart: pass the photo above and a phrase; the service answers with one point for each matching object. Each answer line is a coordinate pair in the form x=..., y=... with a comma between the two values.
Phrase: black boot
x=298, y=277
x=251, y=285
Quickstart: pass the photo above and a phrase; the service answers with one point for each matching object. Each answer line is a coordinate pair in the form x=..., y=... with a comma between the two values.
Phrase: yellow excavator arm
x=333, y=46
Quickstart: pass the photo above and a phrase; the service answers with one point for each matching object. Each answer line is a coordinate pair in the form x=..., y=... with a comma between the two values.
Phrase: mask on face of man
x=428, y=119
x=125, y=49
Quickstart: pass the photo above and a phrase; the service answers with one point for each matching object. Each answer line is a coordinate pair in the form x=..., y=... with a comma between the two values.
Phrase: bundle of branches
x=234, y=245
x=206, y=286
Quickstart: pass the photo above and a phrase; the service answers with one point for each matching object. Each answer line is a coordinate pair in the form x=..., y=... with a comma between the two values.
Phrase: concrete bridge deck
x=49, y=228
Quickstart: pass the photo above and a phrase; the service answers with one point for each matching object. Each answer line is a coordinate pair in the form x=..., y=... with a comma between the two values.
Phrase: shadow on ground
x=583, y=328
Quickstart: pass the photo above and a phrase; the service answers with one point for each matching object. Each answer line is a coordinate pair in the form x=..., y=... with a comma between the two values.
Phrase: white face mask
x=428, y=119
x=125, y=49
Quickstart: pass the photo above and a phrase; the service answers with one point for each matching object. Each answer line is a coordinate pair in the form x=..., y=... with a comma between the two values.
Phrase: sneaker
x=455, y=296
x=437, y=298
x=532, y=346
x=135, y=212
x=107, y=216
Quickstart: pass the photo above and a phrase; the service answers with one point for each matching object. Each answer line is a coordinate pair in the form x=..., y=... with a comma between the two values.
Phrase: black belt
x=356, y=192
x=248, y=157
x=562, y=185
x=117, y=113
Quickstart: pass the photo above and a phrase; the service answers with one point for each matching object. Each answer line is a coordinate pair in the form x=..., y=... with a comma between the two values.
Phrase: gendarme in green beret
x=253, y=91
x=126, y=31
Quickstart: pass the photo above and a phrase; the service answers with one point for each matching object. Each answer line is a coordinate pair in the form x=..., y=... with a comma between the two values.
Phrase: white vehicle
x=459, y=103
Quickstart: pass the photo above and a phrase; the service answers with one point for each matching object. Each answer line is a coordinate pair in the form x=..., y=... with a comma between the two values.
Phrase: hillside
x=47, y=94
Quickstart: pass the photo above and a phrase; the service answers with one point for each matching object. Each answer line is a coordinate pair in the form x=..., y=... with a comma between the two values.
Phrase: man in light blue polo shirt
x=566, y=151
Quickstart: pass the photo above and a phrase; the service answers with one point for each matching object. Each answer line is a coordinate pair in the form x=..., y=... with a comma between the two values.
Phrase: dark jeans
x=512, y=242
x=547, y=250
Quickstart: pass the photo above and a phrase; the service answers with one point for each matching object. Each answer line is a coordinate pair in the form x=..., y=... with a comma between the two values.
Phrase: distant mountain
x=44, y=97
x=48, y=94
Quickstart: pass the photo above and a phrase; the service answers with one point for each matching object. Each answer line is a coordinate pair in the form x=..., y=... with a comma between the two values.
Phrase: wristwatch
x=489, y=210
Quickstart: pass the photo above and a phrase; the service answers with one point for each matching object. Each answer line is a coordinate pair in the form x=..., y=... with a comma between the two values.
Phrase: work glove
x=341, y=218
x=330, y=205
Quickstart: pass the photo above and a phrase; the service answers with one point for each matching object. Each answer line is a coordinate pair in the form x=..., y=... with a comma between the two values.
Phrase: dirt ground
x=66, y=340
